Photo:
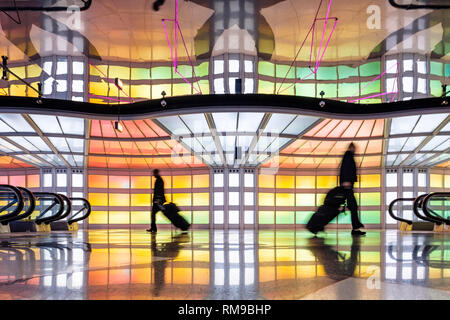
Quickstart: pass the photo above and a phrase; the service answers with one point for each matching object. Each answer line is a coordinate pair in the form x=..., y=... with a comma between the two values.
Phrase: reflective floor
x=203, y=264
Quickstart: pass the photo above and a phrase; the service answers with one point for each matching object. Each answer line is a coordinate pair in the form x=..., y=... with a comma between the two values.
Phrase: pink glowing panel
x=97, y=162
x=339, y=148
x=145, y=129
x=195, y=162
x=161, y=147
x=360, y=146
x=160, y=132
x=366, y=129
x=330, y=163
x=293, y=162
x=146, y=147
x=378, y=129
x=119, y=163
x=133, y=129
x=372, y=161
x=293, y=146
x=158, y=162
x=129, y=147
x=339, y=129
x=138, y=163
x=317, y=128
x=124, y=133
x=310, y=163
x=352, y=129
x=324, y=147
x=95, y=128
x=96, y=147
x=374, y=146
x=325, y=131
x=307, y=147
x=358, y=161
x=113, y=147
x=107, y=129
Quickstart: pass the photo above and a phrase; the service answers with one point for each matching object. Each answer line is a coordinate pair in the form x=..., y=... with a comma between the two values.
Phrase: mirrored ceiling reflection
x=203, y=264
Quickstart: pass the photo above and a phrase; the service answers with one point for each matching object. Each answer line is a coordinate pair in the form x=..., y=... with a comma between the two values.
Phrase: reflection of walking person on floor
x=160, y=255
x=347, y=178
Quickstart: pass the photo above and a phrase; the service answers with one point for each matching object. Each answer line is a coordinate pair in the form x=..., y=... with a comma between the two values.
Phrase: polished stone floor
x=203, y=264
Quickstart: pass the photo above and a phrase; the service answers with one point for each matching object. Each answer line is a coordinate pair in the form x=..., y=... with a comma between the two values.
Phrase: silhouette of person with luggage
x=347, y=178
x=158, y=199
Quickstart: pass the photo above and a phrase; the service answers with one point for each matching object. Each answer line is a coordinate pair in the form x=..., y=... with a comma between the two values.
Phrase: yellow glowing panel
x=266, y=255
x=98, y=199
x=285, y=199
x=140, y=217
x=119, y=217
x=119, y=182
x=305, y=199
x=20, y=71
x=140, y=91
x=266, y=181
x=98, y=217
x=33, y=71
x=140, y=200
x=326, y=182
x=182, y=275
x=436, y=180
x=285, y=272
x=305, y=182
x=201, y=199
x=266, y=274
x=179, y=182
x=119, y=200
x=33, y=181
x=200, y=181
x=98, y=88
x=181, y=89
x=201, y=276
x=182, y=199
x=285, y=182
x=157, y=89
x=140, y=182
x=119, y=72
x=266, y=199
x=306, y=272
x=447, y=181
x=167, y=181
x=141, y=275
x=320, y=197
x=96, y=181
x=370, y=181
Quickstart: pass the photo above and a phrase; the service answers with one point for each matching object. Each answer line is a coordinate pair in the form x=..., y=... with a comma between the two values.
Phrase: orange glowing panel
x=97, y=162
x=145, y=129
x=352, y=129
x=107, y=129
x=339, y=129
x=195, y=162
x=160, y=132
x=96, y=146
x=140, y=182
x=120, y=163
x=97, y=181
x=372, y=161
x=290, y=162
x=129, y=148
x=146, y=147
x=317, y=128
x=9, y=162
x=330, y=163
x=307, y=147
x=327, y=129
x=311, y=163
x=324, y=147
x=366, y=129
x=339, y=148
x=124, y=133
x=360, y=146
x=293, y=146
x=95, y=128
x=374, y=146
x=17, y=181
x=157, y=162
x=33, y=181
x=138, y=163
x=133, y=129
x=358, y=161
x=378, y=129
x=119, y=182
x=113, y=147
x=161, y=147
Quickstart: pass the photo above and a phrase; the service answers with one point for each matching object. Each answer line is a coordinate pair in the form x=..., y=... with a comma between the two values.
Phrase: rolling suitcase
x=170, y=210
x=331, y=208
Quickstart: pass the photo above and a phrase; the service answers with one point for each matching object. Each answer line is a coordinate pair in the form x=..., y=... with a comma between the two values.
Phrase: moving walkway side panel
x=86, y=209
x=75, y=216
x=14, y=197
x=57, y=201
x=441, y=196
x=418, y=203
x=391, y=213
x=28, y=209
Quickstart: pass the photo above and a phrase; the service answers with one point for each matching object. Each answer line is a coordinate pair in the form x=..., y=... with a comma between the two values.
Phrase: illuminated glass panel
x=33, y=181
x=305, y=199
x=285, y=217
x=266, y=199
x=98, y=199
x=266, y=217
x=266, y=181
x=283, y=182
x=119, y=182
x=436, y=180
x=285, y=199
x=326, y=182
x=119, y=199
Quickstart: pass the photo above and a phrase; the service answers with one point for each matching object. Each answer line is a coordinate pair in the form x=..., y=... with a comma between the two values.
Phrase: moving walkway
x=429, y=220
x=51, y=211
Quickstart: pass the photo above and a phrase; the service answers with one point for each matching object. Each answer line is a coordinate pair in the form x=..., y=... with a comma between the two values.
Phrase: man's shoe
x=358, y=233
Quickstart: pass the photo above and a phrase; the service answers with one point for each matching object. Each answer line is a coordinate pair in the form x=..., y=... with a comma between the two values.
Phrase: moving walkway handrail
x=431, y=213
x=67, y=210
x=18, y=200
x=86, y=206
x=57, y=200
x=391, y=213
x=29, y=211
x=418, y=203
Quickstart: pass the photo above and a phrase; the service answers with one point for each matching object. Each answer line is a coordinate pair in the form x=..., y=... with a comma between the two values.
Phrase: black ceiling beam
x=418, y=6
x=87, y=5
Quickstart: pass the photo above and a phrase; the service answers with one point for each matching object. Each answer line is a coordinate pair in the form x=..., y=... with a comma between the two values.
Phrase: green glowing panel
x=370, y=217
x=348, y=89
x=447, y=70
x=285, y=217
x=436, y=68
x=302, y=217
x=266, y=68
x=374, y=87
x=305, y=199
x=347, y=72
x=370, y=256
x=161, y=219
x=202, y=70
x=184, y=70
x=342, y=219
x=282, y=71
x=319, y=198
x=266, y=217
x=370, y=199
x=305, y=89
x=286, y=89
x=161, y=73
x=326, y=73
x=305, y=73
x=370, y=101
x=204, y=86
x=140, y=217
x=370, y=69
x=330, y=89
x=181, y=89
x=140, y=74
x=201, y=217
x=436, y=88
x=266, y=87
